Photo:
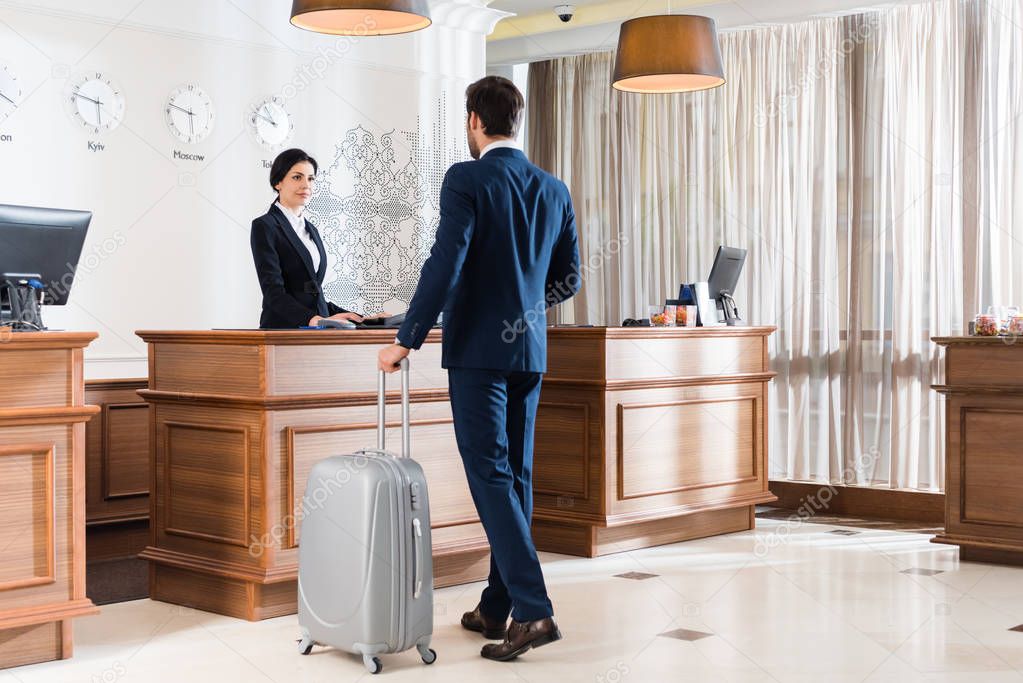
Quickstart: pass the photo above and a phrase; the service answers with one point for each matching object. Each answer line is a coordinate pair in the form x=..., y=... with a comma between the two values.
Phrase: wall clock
x=271, y=123
x=189, y=113
x=10, y=93
x=95, y=101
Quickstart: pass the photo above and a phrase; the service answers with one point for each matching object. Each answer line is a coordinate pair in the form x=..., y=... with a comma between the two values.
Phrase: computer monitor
x=724, y=276
x=40, y=244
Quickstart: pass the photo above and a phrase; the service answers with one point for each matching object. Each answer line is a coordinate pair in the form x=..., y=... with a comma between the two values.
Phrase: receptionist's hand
x=354, y=317
x=390, y=356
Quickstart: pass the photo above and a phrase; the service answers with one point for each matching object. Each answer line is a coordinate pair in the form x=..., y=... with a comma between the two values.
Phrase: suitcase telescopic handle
x=382, y=410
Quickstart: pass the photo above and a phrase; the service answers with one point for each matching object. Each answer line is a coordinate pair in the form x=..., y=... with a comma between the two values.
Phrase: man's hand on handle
x=390, y=356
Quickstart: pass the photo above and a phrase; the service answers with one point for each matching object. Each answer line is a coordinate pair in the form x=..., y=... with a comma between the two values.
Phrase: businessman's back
x=505, y=250
x=523, y=239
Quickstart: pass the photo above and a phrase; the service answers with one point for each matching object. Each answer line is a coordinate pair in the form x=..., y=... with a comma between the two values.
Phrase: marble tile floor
x=786, y=602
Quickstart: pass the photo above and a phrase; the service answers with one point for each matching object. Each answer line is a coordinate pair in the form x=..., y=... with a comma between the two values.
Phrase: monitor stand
x=727, y=304
x=20, y=300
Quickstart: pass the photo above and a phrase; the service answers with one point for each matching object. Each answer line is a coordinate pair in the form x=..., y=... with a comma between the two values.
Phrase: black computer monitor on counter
x=724, y=276
x=39, y=251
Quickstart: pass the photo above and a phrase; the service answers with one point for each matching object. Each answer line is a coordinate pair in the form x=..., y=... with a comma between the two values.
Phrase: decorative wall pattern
x=377, y=206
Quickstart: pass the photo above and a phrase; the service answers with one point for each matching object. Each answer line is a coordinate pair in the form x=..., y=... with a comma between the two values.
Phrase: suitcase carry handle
x=382, y=409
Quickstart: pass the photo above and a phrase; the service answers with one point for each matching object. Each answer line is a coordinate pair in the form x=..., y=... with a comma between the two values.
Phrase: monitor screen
x=42, y=243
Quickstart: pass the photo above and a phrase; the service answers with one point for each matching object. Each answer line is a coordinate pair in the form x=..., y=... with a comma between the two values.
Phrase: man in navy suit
x=506, y=250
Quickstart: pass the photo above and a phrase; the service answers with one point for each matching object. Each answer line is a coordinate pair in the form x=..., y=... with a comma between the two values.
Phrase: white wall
x=169, y=243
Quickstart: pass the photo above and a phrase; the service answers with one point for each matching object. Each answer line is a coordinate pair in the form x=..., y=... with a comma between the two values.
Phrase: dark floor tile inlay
x=922, y=572
x=686, y=634
x=638, y=576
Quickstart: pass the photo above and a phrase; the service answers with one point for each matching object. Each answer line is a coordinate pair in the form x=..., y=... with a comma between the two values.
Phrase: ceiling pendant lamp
x=668, y=54
x=360, y=17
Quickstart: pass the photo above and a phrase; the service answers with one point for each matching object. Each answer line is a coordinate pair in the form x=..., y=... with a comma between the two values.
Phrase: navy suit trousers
x=494, y=413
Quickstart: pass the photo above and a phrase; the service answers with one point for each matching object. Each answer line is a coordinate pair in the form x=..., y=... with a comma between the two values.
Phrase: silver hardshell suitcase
x=365, y=569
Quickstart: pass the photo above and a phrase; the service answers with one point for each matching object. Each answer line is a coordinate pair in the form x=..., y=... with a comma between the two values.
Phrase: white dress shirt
x=498, y=144
x=298, y=225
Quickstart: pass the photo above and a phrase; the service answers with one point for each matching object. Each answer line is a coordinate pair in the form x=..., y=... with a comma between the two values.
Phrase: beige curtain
x=868, y=163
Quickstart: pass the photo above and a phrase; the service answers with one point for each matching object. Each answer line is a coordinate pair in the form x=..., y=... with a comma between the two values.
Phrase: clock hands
x=7, y=98
x=78, y=94
x=187, y=111
x=267, y=116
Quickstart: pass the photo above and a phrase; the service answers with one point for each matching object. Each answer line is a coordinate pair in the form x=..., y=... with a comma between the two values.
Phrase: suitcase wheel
x=373, y=664
x=429, y=657
x=305, y=646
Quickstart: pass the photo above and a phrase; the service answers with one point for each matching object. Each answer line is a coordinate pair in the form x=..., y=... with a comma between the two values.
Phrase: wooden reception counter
x=983, y=447
x=647, y=436
x=238, y=418
x=42, y=494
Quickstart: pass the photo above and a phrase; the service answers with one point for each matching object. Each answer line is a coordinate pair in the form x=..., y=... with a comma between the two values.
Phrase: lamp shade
x=360, y=17
x=668, y=53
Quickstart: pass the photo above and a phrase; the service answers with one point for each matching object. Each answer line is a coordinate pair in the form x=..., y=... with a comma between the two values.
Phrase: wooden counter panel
x=126, y=457
x=649, y=358
x=36, y=378
x=434, y=448
x=684, y=446
x=27, y=498
x=206, y=482
x=672, y=446
x=568, y=456
x=561, y=455
x=579, y=357
x=352, y=369
x=992, y=475
x=39, y=529
x=207, y=369
x=34, y=644
x=117, y=452
x=991, y=364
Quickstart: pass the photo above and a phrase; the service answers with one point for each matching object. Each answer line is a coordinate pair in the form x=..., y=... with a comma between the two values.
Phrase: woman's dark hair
x=498, y=103
x=285, y=160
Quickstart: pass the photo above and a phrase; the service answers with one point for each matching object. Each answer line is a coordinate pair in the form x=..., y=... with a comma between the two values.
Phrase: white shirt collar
x=497, y=144
x=293, y=218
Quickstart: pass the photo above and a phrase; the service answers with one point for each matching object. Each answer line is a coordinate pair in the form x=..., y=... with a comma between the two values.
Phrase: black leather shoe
x=521, y=638
x=481, y=623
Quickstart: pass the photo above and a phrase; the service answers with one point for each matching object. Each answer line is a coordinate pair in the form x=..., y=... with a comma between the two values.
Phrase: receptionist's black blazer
x=292, y=290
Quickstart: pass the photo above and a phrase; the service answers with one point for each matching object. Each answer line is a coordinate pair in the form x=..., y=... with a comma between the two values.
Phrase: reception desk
x=646, y=436
x=42, y=494
x=237, y=420
x=983, y=392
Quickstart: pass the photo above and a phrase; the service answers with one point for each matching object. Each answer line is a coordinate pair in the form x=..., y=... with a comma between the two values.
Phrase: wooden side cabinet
x=983, y=392
x=42, y=494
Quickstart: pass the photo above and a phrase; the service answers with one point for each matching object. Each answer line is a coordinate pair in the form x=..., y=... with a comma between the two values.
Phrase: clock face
x=189, y=113
x=10, y=93
x=271, y=123
x=96, y=102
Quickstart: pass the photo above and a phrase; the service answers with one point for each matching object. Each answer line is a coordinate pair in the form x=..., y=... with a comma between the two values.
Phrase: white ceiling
x=567, y=39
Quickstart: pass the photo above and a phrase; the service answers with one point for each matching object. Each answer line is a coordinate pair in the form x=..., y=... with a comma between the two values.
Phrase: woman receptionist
x=290, y=259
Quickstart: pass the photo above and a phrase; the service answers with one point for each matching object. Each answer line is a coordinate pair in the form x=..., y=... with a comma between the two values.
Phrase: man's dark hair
x=285, y=160
x=498, y=103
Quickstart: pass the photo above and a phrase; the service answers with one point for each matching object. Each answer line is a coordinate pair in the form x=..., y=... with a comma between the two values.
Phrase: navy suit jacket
x=506, y=250
x=292, y=290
